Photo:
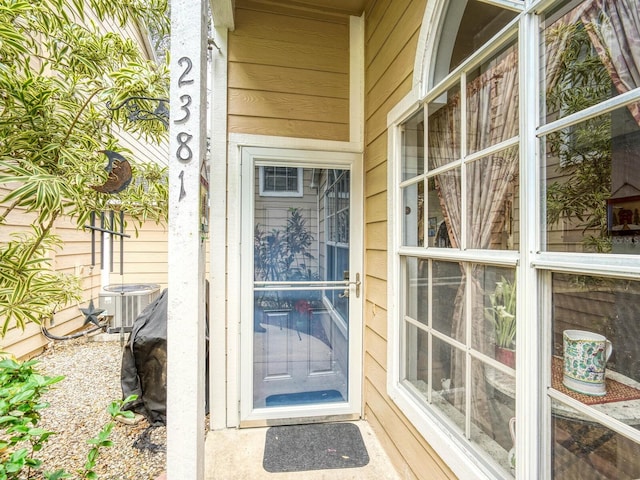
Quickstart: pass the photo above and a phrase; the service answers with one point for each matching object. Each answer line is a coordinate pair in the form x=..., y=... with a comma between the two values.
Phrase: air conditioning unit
x=123, y=303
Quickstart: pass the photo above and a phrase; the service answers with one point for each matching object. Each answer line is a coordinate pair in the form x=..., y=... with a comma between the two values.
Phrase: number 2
x=182, y=81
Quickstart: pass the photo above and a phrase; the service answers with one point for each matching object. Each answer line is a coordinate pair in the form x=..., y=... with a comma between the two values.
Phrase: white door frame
x=240, y=365
x=225, y=228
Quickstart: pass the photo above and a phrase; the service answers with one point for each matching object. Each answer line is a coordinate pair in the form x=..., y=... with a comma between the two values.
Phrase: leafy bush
x=21, y=389
x=59, y=71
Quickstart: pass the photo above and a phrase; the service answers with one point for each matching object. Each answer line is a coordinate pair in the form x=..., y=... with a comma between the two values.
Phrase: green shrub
x=21, y=389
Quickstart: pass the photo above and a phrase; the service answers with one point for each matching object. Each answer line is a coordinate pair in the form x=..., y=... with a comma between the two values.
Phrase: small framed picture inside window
x=623, y=216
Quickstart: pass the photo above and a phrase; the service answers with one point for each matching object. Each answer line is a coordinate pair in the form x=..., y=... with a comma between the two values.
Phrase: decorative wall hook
x=137, y=110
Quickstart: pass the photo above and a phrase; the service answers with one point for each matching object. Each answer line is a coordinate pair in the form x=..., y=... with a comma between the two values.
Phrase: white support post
x=218, y=245
x=186, y=322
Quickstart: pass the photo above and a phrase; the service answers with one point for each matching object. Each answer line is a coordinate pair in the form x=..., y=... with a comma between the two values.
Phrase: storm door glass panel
x=337, y=217
x=301, y=313
x=281, y=181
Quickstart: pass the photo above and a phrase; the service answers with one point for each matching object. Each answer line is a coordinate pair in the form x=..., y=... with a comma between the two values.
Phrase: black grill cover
x=144, y=363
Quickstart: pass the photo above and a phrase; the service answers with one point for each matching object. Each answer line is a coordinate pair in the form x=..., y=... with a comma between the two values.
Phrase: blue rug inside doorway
x=303, y=398
x=319, y=446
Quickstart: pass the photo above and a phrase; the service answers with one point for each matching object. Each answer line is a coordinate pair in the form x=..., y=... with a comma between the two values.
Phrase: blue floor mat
x=304, y=398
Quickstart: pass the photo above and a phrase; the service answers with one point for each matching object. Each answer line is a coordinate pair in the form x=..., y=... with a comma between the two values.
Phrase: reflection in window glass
x=447, y=281
x=493, y=407
x=589, y=312
x=444, y=197
x=585, y=449
x=413, y=146
x=449, y=392
x=593, y=185
x=444, y=128
x=492, y=101
x=417, y=292
x=480, y=21
x=417, y=358
x=439, y=349
x=603, y=306
x=497, y=299
x=413, y=215
x=492, y=196
x=581, y=55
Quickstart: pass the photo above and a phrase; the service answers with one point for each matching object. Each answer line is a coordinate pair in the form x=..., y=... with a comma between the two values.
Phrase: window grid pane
x=280, y=179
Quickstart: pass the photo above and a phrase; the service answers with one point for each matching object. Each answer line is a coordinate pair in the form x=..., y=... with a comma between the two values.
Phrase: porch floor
x=237, y=454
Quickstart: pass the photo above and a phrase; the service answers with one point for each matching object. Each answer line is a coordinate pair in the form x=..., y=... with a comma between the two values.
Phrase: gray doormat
x=298, y=448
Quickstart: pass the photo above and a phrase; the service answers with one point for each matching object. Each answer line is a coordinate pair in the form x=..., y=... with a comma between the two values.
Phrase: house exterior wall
x=392, y=32
x=72, y=257
x=288, y=75
x=145, y=255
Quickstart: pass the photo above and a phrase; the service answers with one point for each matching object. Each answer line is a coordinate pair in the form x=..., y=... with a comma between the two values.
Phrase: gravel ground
x=78, y=411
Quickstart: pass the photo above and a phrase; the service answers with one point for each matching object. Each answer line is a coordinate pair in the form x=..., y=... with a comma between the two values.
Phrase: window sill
x=460, y=458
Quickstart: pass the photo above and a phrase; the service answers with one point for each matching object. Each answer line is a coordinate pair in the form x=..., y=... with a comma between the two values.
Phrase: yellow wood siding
x=391, y=32
x=288, y=75
x=145, y=256
x=73, y=257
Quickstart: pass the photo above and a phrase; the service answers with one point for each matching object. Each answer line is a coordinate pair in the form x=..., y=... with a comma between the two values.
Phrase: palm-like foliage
x=58, y=70
x=583, y=183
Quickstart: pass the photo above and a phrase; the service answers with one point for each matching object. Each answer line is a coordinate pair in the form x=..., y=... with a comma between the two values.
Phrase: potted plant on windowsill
x=502, y=315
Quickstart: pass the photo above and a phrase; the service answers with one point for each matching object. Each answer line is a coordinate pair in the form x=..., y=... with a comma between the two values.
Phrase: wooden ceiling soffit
x=296, y=9
x=222, y=13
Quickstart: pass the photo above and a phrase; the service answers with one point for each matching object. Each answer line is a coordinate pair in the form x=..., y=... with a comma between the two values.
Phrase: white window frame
x=299, y=192
x=533, y=439
x=458, y=456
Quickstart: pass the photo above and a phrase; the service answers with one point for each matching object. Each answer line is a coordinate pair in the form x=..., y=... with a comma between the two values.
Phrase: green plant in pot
x=502, y=315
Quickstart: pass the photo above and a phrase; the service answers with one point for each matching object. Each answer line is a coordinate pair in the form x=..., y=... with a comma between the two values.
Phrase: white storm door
x=301, y=307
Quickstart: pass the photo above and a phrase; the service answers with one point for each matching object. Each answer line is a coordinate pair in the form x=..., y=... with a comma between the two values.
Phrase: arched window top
x=462, y=27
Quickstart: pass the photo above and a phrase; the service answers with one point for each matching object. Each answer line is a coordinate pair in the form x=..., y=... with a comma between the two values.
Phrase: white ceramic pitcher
x=585, y=358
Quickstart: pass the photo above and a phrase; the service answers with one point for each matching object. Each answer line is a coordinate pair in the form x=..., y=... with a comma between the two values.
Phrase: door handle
x=357, y=283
